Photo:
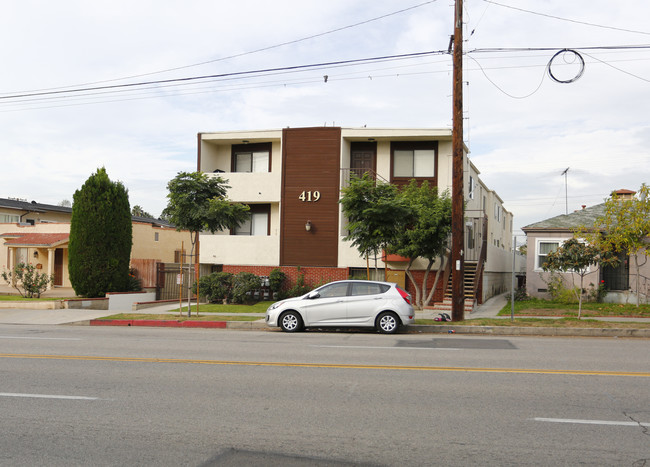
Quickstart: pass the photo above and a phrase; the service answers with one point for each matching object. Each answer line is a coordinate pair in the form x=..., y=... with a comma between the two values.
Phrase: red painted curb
x=158, y=323
x=111, y=322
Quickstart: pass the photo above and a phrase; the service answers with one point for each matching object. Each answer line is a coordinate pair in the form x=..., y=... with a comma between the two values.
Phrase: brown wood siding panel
x=146, y=271
x=311, y=162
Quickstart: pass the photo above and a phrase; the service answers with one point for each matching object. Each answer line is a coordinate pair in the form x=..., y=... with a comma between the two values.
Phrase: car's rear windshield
x=360, y=288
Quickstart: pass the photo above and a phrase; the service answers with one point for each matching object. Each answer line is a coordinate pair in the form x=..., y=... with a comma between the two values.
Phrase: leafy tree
x=428, y=229
x=27, y=280
x=100, y=237
x=574, y=257
x=139, y=212
x=198, y=202
x=375, y=212
x=625, y=227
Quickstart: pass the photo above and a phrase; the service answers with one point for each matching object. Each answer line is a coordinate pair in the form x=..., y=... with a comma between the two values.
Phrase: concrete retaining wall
x=124, y=301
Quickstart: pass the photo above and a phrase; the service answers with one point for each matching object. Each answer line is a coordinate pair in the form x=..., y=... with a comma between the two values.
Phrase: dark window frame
x=413, y=146
x=249, y=148
x=258, y=209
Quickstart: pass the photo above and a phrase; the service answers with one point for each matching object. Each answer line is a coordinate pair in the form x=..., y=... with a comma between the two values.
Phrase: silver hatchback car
x=351, y=303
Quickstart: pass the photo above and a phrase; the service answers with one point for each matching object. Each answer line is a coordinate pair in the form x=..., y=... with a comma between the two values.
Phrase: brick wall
x=419, y=277
x=314, y=276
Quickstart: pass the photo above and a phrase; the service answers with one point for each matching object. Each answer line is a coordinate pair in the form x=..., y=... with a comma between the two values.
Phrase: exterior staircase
x=468, y=287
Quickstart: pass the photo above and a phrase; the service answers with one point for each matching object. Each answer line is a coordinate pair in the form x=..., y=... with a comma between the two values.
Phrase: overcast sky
x=523, y=129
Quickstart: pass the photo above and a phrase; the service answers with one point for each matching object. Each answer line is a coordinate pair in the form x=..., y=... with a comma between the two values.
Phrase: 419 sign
x=309, y=196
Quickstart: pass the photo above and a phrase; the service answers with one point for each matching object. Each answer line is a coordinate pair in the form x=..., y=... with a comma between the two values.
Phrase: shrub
x=559, y=292
x=134, y=284
x=597, y=294
x=521, y=295
x=243, y=286
x=277, y=279
x=299, y=287
x=26, y=277
x=216, y=287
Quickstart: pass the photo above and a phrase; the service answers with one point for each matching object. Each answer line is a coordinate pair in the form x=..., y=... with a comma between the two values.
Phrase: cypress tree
x=100, y=237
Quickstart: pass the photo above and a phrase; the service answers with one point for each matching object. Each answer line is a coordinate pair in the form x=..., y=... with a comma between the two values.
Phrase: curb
x=530, y=331
x=428, y=329
x=247, y=325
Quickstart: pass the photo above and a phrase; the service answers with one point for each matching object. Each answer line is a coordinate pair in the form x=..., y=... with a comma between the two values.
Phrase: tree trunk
x=435, y=282
x=413, y=281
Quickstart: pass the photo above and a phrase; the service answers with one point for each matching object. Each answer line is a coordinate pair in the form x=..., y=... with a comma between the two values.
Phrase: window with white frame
x=472, y=187
x=9, y=219
x=544, y=247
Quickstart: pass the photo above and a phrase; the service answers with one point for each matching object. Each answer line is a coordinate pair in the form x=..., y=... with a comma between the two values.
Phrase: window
x=251, y=157
x=497, y=212
x=258, y=222
x=334, y=290
x=472, y=186
x=368, y=289
x=9, y=218
x=543, y=249
x=414, y=159
x=179, y=256
x=156, y=236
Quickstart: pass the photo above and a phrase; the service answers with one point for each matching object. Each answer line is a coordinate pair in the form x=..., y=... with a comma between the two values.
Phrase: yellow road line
x=332, y=365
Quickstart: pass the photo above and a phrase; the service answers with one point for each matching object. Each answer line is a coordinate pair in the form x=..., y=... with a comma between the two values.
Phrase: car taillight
x=405, y=295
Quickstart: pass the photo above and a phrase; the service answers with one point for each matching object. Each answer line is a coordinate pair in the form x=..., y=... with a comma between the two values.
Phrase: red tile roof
x=39, y=239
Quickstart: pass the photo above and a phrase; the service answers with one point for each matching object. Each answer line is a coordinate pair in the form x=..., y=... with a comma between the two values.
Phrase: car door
x=364, y=302
x=328, y=307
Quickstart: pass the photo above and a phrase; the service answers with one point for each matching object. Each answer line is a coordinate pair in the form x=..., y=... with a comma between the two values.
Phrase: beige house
x=38, y=234
x=548, y=235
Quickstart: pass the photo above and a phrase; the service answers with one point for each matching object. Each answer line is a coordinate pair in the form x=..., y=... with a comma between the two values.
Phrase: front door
x=362, y=158
x=58, y=267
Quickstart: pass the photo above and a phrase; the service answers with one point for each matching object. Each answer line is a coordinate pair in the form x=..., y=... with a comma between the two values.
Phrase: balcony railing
x=347, y=173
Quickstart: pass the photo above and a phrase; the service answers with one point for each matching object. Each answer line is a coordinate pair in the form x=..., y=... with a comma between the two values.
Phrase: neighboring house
x=546, y=236
x=38, y=234
x=292, y=180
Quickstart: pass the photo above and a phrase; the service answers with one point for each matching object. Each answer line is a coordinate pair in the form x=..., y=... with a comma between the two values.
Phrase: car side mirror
x=313, y=295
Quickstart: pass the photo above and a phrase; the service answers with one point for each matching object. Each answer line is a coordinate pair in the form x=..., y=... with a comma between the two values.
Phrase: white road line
x=48, y=396
x=42, y=338
x=589, y=422
x=371, y=347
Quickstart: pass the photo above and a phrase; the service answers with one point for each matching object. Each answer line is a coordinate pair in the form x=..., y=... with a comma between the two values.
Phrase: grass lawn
x=18, y=298
x=259, y=307
x=207, y=312
x=536, y=307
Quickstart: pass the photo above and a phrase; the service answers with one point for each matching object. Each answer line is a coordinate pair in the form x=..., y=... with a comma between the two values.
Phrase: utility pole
x=457, y=196
x=566, y=190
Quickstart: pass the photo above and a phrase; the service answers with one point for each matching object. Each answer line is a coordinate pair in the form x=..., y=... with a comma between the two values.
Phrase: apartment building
x=292, y=179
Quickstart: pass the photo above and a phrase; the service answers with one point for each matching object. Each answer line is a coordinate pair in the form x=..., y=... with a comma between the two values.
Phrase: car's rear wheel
x=291, y=322
x=388, y=322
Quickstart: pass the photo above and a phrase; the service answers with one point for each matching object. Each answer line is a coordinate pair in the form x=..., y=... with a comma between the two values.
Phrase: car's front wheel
x=291, y=322
x=388, y=322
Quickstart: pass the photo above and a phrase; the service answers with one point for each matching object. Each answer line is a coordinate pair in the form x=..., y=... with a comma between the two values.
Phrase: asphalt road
x=72, y=395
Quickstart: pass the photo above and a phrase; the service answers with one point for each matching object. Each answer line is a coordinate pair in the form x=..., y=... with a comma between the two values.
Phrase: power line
x=224, y=75
x=585, y=23
x=262, y=49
